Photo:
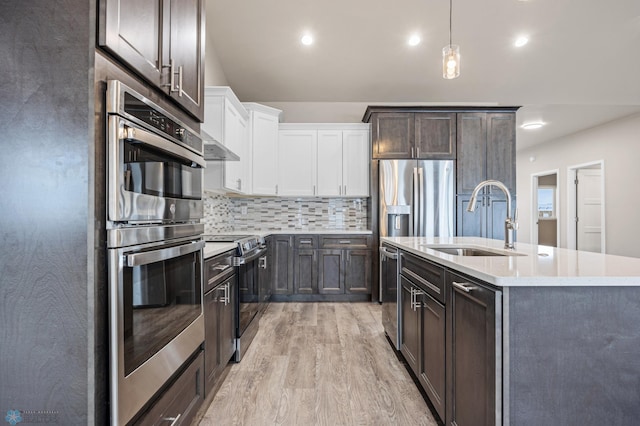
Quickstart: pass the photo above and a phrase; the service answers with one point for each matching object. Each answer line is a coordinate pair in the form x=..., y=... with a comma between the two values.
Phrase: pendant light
x=450, y=55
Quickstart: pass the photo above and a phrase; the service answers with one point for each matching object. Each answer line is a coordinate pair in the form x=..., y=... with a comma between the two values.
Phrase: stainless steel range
x=254, y=289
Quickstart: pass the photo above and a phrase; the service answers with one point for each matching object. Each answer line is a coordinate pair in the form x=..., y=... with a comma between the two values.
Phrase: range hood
x=215, y=151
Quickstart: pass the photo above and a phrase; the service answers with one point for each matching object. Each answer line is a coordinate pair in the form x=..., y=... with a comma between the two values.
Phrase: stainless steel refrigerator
x=416, y=198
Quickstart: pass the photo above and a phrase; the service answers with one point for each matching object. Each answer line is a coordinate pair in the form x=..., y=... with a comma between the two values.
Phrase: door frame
x=534, y=204
x=571, y=203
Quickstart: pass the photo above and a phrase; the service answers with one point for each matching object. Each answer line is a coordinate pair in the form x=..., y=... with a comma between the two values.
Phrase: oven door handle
x=144, y=258
x=237, y=261
x=127, y=131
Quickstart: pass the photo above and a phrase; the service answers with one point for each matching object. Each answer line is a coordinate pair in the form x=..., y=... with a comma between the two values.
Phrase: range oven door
x=156, y=318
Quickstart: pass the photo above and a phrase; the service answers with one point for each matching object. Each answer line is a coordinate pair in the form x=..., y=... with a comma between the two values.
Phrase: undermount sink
x=472, y=251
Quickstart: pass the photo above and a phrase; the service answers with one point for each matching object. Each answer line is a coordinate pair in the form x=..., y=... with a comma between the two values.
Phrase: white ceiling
x=580, y=68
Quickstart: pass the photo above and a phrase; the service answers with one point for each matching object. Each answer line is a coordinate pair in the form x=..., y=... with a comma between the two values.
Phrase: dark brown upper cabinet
x=162, y=42
x=486, y=150
x=424, y=135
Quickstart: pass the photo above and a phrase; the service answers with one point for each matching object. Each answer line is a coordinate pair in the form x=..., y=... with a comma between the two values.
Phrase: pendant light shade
x=451, y=61
x=450, y=54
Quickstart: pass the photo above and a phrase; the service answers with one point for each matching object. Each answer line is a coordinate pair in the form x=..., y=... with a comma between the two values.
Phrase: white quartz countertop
x=537, y=265
x=212, y=249
x=298, y=231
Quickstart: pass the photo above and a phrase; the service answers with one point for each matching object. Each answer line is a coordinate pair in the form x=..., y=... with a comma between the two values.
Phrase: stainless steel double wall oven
x=154, y=207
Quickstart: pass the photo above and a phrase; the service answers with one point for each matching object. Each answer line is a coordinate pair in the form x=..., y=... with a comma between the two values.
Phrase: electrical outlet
x=243, y=210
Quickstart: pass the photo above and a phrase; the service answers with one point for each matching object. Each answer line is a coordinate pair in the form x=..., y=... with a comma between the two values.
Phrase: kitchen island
x=541, y=336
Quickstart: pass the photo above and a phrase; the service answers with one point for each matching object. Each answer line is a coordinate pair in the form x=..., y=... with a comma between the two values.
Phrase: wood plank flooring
x=319, y=364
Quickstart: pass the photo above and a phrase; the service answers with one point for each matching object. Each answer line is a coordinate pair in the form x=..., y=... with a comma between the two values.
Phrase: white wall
x=213, y=73
x=616, y=143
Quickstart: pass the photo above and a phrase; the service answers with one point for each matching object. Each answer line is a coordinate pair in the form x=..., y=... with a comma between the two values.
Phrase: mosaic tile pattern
x=217, y=213
x=224, y=214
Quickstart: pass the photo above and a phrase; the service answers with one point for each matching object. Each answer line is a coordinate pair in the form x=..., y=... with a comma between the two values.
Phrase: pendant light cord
x=450, y=10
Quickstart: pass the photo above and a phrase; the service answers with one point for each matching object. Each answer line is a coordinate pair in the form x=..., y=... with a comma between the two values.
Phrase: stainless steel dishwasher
x=389, y=293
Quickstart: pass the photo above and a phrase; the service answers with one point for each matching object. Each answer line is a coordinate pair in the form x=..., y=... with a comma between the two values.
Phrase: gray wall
x=616, y=143
x=46, y=251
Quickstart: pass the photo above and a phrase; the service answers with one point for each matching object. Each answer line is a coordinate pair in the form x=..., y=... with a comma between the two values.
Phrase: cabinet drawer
x=427, y=275
x=180, y=402
x=345, y=241
x=217, y=269
x=306, y=241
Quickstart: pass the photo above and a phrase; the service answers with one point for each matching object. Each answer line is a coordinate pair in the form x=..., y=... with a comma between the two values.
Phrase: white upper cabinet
x=297, y=151
x=343, y=161
x=263, y=145
x=330, y=163
x=226, y=120
x=356, y=157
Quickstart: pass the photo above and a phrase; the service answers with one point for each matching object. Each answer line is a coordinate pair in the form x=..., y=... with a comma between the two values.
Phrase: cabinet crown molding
x=444, y=108
x=325, y=126
x=227, y=93
x=253, y=106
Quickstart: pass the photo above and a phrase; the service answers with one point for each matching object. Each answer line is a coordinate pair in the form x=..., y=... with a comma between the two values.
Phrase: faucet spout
x=510, y=224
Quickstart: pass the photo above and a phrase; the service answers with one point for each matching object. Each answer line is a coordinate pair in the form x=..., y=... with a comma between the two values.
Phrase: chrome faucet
x=510, y=224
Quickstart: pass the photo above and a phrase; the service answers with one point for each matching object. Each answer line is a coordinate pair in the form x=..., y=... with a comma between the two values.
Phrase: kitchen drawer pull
x=464, y=287
x=305, y=241
x=345, y=241
x=173, y=420
x=220, y=267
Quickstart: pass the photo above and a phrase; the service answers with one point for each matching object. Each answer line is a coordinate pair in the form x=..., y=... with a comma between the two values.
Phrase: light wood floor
x=319, y=364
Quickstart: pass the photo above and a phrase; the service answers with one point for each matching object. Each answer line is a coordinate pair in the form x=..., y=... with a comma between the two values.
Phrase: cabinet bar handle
x=464, y=287
x=412, y=152
x=180, y=91
x=345, y=190
x=345, y=241
x=418, y=152
x=173, y=420
x=276, y=189
x=339, y=189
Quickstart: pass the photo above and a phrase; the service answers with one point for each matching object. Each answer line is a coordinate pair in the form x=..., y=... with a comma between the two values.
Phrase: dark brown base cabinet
x=474, y=341
x=220, y=329
x=452, y=351
x=521, y=355
x=179, y=403
x=282, y=261
x=423, y=326
x=321, y=266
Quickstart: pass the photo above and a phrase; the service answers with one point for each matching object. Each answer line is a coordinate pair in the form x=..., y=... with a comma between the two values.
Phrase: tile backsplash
x=226, y=214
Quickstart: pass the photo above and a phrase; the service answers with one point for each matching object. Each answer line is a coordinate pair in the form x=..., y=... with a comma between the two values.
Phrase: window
x=547, y=202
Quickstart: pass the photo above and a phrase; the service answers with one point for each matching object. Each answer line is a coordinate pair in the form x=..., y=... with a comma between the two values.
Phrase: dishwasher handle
x=388, y=254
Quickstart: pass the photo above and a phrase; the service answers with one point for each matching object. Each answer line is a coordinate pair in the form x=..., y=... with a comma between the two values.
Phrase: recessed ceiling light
x=414, y=40
x=306, y=39
x=533, y=125
x=521, y=41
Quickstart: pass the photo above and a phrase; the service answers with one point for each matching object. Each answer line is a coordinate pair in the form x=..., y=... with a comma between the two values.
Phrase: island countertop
x=534, y=266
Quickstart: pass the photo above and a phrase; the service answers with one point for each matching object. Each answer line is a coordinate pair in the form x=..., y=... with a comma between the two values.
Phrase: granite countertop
x=537, y=265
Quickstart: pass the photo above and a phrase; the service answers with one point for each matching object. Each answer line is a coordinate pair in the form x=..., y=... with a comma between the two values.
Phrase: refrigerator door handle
x=421, y=206
x=416, y=200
